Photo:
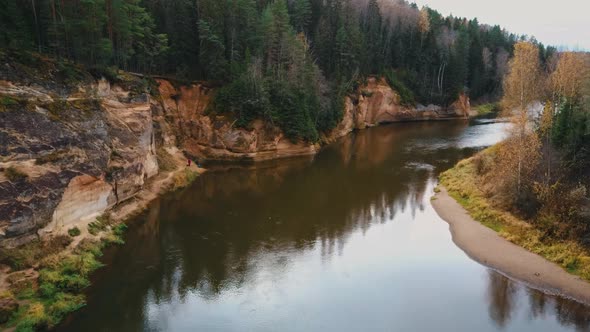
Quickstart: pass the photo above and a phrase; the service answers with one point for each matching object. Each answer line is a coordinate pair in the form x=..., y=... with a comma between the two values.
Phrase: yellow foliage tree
x=523, y=86
x=424, y=21
x=568, y=78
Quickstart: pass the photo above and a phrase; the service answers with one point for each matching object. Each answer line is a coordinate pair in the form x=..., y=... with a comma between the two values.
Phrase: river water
x=344, y=241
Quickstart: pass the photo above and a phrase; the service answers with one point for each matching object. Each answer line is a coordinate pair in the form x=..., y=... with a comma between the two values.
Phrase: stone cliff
x=216, y=138
x=71, y=149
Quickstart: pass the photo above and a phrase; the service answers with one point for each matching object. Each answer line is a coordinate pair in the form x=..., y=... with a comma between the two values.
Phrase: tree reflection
x=237, y=222
x=501, y=297
x=572, y=313
x=502, y=294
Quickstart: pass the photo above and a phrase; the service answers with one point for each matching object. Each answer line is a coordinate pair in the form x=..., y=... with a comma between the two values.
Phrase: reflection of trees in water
x=221, y=232
x=224, y=223
x=502, y=297
x=299, y=213
x=538, y=303
x=572, y=313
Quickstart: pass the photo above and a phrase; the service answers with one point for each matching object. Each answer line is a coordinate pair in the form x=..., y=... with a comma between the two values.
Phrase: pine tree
x=301, y=16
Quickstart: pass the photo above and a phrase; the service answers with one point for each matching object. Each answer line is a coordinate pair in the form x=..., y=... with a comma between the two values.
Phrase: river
x=344, y=241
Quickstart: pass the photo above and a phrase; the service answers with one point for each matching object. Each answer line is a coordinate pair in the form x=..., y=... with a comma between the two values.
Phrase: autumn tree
x=568, y=78
x=571, y=129
x=522, y=88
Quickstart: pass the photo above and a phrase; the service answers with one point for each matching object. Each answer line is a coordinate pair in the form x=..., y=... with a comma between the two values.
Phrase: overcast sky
x=558, y=23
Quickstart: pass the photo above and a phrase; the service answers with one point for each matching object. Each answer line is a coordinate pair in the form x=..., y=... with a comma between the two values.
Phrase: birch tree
x=522, y=88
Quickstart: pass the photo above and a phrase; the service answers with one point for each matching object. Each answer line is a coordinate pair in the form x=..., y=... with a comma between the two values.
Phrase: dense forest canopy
x=289, y=62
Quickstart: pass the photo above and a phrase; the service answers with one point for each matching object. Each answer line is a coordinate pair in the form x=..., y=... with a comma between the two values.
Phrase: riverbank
x=45, y=280
x=506, y=244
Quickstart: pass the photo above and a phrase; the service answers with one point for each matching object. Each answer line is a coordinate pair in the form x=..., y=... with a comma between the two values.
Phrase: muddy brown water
x=344, y=241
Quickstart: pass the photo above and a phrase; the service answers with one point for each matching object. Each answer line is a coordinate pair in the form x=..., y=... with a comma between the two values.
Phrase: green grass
x=487, y=109
x=62, y=278
x=63, y=275
x=464, y=185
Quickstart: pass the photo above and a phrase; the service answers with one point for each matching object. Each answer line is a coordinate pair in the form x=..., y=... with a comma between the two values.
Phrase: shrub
x=120, y=229
x=116, y=236
x=91, y=246
x=487, y=109
x=96, y=227
x=34, y=318
x=64, y=304
x=62, y=278
x=73, y=232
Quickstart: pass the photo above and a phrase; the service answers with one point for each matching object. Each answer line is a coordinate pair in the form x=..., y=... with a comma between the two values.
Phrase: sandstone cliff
x=216, y=138
x=68, y=151
x=72, y=146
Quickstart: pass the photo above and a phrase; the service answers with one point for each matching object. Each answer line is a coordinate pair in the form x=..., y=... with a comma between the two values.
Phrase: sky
x=562, y=23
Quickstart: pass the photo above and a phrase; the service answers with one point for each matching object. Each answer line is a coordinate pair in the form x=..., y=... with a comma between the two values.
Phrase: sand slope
x=490, y=249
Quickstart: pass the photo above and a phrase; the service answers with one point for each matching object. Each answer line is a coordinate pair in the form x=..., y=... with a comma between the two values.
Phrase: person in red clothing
x=188, y=162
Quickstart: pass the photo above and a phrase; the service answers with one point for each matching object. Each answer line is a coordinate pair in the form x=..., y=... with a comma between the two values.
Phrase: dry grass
x=184, y=178
x=464, y=185
x=165, y=160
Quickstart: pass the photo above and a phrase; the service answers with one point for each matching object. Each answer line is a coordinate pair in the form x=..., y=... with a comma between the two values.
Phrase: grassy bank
x=50, y=276
x=45, y=279
x=464, y=185
x=487, y=109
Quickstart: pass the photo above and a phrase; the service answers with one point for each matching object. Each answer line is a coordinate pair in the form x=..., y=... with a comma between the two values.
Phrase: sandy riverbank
x=485, y=246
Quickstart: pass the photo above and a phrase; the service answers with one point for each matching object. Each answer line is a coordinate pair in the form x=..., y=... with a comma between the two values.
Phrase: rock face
x=216, y=138
x=72, y=148
x=378, y=103
x=68, y=153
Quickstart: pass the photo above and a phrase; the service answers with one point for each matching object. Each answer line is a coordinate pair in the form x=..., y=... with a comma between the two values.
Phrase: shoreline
x=35, y=311
x=488, y=248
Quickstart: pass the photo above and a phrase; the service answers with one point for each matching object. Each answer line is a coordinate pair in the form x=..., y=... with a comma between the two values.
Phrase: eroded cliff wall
x=217, y=138
x=72, y=149
x=68, y=152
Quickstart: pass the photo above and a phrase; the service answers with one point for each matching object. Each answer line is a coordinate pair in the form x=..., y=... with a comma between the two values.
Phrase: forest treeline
x=289, y=62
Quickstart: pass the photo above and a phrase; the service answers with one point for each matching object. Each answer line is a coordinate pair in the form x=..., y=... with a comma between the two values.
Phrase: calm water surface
x=346, y=241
